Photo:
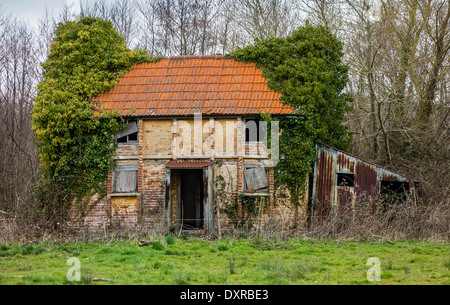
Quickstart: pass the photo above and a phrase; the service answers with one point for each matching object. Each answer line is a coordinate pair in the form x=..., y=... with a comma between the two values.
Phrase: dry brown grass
x=370, y=221
x=374, y=221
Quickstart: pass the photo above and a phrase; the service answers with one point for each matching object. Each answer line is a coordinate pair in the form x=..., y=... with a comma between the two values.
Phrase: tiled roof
x=189, y=164
x=184, y=85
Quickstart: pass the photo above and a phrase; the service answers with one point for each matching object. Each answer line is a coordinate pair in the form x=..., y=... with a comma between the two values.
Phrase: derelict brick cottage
x=155, y=182
x=173, y=165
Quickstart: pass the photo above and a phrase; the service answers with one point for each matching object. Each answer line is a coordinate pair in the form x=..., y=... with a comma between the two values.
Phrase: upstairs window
x=129, y=135
x=255, y=130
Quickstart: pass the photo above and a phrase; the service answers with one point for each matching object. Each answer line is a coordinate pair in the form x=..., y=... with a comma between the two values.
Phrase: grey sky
x=29, y=10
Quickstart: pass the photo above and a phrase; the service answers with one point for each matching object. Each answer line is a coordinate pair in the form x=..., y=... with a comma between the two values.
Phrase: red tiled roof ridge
x=177, y=57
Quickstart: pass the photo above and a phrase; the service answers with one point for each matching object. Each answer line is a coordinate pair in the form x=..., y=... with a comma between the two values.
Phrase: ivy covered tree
x=75, y=137
x=307, y=70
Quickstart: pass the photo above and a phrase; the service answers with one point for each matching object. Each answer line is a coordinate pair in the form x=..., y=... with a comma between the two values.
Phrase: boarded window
x=125, y=178
x=129, y=134
x=256, y=178
x=345, y=179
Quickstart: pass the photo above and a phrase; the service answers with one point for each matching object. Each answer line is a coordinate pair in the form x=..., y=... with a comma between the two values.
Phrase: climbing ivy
x=74, y=135
x=306, y=69
x=242, y=215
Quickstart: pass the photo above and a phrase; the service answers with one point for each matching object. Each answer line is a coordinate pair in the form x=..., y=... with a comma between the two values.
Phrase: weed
x=231, y=266
x=386, y=275
x=293, y=272
x=388, y=265
x=157, y=245
x=129, y=252
x=86, y=278
x=157, y=265
x=20, y=249
x=406, y=269
x=170, y=240
x=223, y=278
x=224, y=246
x=176, y=252
x=182, y=279
x=446, y=263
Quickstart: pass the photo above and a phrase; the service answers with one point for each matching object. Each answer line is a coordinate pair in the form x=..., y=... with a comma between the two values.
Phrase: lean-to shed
x=340, y=180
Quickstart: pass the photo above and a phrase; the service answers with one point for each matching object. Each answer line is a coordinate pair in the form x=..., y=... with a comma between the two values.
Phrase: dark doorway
x=191, y=195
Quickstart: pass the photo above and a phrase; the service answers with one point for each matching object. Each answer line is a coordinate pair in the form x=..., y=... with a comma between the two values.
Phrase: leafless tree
x=18, y=78
x=327, y=13
x=264, y=18
x=398, y=55
x=148, y=27
x=121, y=13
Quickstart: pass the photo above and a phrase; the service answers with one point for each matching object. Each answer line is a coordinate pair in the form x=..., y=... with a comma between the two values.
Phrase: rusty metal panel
x=344, y=199
x=386, y=175
x=365, y=180
x=345, y=163
x=325, y=177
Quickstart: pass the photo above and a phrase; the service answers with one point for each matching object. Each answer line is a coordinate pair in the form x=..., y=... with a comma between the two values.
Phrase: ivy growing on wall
x=307, y=70
x=74, y=135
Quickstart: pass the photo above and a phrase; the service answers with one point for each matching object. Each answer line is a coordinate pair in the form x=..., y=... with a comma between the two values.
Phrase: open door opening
x=191, y=198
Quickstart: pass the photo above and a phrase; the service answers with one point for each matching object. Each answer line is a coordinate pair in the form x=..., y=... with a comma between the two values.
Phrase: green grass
x=182, y=261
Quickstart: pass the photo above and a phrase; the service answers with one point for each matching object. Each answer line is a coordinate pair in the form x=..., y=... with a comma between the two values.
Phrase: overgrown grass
x=184, y=261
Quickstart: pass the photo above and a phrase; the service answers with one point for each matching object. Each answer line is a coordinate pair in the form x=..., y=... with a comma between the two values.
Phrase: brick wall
x=152, y=153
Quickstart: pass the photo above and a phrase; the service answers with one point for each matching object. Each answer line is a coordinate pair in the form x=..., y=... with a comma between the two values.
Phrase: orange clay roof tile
x=182, y=85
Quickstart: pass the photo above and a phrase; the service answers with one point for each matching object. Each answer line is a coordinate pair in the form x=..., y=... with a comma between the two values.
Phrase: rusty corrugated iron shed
x=184, y=85
x=328, y=195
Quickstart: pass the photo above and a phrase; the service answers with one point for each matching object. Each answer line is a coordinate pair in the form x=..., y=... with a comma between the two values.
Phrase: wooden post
x=216, y=203
x=262, y=201
x=168, y=200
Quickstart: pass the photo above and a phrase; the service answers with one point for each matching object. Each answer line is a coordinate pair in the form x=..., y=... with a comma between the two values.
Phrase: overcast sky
x=29, y=10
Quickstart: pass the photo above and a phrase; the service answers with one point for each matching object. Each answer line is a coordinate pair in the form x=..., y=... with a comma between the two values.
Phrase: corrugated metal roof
x=189, y=164
x=184, y=85
x=377, y=166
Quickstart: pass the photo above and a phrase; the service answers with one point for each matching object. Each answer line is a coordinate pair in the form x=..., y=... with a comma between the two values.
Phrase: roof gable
x=184, y=85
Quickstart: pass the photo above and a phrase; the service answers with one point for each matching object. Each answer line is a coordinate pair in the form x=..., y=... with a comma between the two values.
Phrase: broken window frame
x=341, y=176
x=262, y=190
x=127, y=136
x=260, y=132
x=121, y=168
x=393, y=192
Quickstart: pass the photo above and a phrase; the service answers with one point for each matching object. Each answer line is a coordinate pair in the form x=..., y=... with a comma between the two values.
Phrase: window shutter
x=256, y=178
x=125, y=179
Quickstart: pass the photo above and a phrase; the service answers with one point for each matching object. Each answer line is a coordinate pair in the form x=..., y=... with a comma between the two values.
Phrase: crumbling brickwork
x=151, y=154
